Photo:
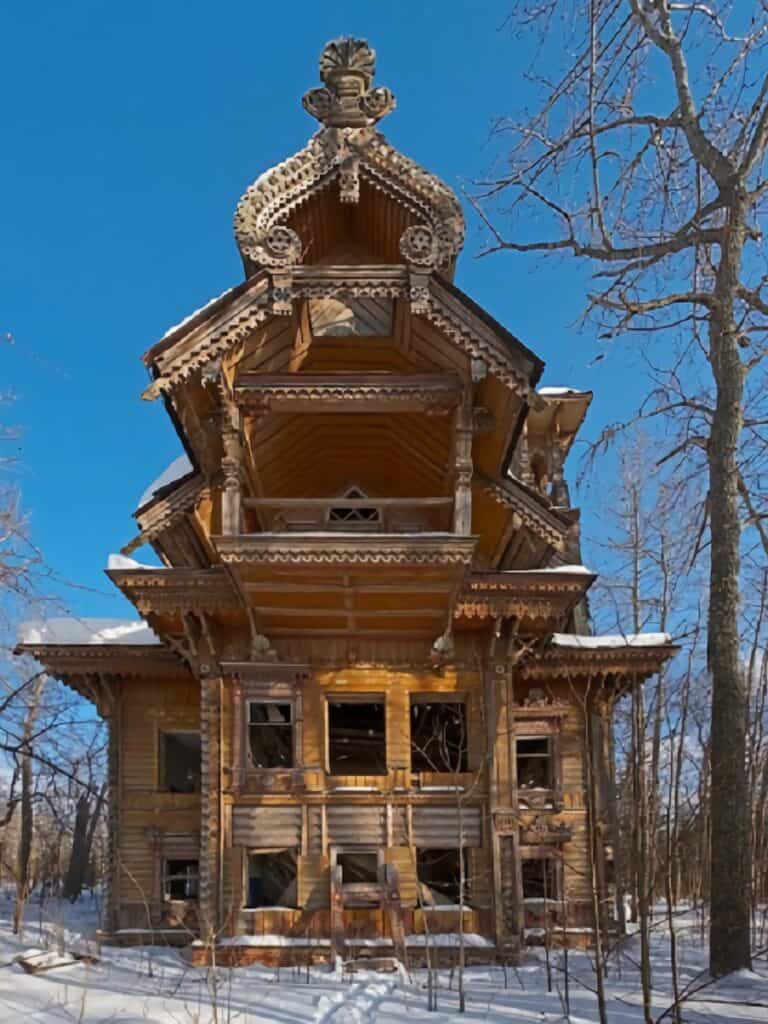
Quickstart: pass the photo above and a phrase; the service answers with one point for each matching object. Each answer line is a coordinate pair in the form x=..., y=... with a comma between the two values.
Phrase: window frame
x=165, y=895
x=441, y=697
x=355, y=698
x=536, y=727
x=162, y=787
x=250, y=767
x=268, y=691
x=265, y=851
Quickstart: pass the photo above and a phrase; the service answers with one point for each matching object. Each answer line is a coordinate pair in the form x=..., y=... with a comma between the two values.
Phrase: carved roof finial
x=347, y=100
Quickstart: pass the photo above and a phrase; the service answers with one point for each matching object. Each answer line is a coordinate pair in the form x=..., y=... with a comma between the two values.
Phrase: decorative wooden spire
x=347, y=67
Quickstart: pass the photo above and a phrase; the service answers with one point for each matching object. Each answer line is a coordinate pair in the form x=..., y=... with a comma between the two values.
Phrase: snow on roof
x=178, y=468
x=549, y=568
x=87, y=631
x=608, y=641
x=175, y=327
x=559, y=392
x=121, y=562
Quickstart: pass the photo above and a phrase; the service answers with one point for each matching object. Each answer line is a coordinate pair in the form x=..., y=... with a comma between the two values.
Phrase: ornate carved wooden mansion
x=366, y=703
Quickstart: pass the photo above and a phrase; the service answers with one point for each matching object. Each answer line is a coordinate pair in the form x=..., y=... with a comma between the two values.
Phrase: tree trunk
x=78, y=858
x=730, y=843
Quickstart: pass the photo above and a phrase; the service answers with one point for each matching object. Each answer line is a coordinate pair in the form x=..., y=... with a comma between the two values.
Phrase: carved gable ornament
x=345, y=150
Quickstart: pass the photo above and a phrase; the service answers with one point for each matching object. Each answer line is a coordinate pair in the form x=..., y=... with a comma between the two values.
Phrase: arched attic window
x=353, y=511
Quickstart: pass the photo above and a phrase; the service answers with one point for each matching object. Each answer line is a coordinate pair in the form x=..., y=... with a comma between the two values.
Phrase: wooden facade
x=372, y=690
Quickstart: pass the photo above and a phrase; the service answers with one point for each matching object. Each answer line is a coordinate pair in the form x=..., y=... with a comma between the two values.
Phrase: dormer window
x=354, y=511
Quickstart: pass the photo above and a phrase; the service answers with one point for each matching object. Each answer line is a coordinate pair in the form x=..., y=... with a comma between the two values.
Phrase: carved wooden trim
x=335, y=549
x=433, y=392
x=169, y=590
x=210, y=797
x=539, y=520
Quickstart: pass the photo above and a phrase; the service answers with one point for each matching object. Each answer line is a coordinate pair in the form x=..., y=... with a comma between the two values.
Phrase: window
x=354, y=512
x=180, y=762
x=180, y=879
x=540, y=879
x=358, y=866
x=271, y=879
x=534, y=763
x=270, y=734
x=438, y=736
x=356, y=738
x=439, y=877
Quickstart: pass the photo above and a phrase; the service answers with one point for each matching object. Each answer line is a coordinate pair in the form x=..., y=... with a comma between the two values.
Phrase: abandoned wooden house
x=363, y=704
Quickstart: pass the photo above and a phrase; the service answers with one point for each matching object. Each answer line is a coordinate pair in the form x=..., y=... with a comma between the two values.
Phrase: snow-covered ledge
x=611, y=642
x=85, y=632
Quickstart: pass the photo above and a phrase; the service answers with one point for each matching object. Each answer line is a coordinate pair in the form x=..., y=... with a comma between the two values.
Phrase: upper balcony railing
x=356, y=513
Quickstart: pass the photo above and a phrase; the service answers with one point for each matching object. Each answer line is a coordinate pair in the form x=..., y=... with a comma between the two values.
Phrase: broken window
x=270, y=734
x=180, y=879
x=180, y=761
x=540, y=879
x=357, y=742
x=354, y=511
x=439, y=876
x=438, y=736
x=271, y=879
x=358, y=866
x=534, y=762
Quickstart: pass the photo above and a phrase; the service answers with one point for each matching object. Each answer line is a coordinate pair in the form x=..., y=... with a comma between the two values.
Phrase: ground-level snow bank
x=154, y=985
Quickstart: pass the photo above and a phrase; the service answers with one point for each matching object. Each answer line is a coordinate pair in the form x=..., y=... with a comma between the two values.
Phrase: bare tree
x=651, y=165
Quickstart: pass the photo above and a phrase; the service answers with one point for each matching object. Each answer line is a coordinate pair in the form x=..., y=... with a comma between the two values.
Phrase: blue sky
x=129, y=133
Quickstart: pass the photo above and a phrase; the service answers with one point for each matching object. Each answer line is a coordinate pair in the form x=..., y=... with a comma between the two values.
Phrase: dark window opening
x=439, y=876
x=355, y=514
x=438, y=737
x=180, y=879
x=357, y=867
x=539, y=879
x=270, y=735
x=272, y=879
x=534, y=763
x=180, y=761
x=357, y=743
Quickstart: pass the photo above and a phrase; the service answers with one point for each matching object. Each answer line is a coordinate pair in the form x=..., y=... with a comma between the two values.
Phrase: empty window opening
x=439, y=877
x=356, y=738
x=540, y=879
x=271, y=879
x=270, y=734
x=355, y=510
x=438, y=737
x=180, y=879
x=358, y=867
x=180, y=761
x=534, y=763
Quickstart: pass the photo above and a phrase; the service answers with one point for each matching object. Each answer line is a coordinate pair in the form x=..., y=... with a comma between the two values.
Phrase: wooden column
x=231, y=463
x=112, y=899
x=462, y=507
x=210, y=806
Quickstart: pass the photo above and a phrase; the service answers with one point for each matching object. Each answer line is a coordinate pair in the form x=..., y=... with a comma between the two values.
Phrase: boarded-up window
x=270, y=734
x=439, y=875
x=180, y=756
x=271, y=879
x=180, y=879
x=357, y=743
x=534, y=762
x=438, y=736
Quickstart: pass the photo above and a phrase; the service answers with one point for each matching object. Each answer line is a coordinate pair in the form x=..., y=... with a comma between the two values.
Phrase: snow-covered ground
x=148, y=985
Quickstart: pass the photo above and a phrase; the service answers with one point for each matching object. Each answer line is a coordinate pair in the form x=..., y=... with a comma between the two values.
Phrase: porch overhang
x=539, y=599
x=345, y=583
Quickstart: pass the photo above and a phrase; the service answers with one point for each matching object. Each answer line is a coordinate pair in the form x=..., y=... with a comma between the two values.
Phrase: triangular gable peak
x=349, y=190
